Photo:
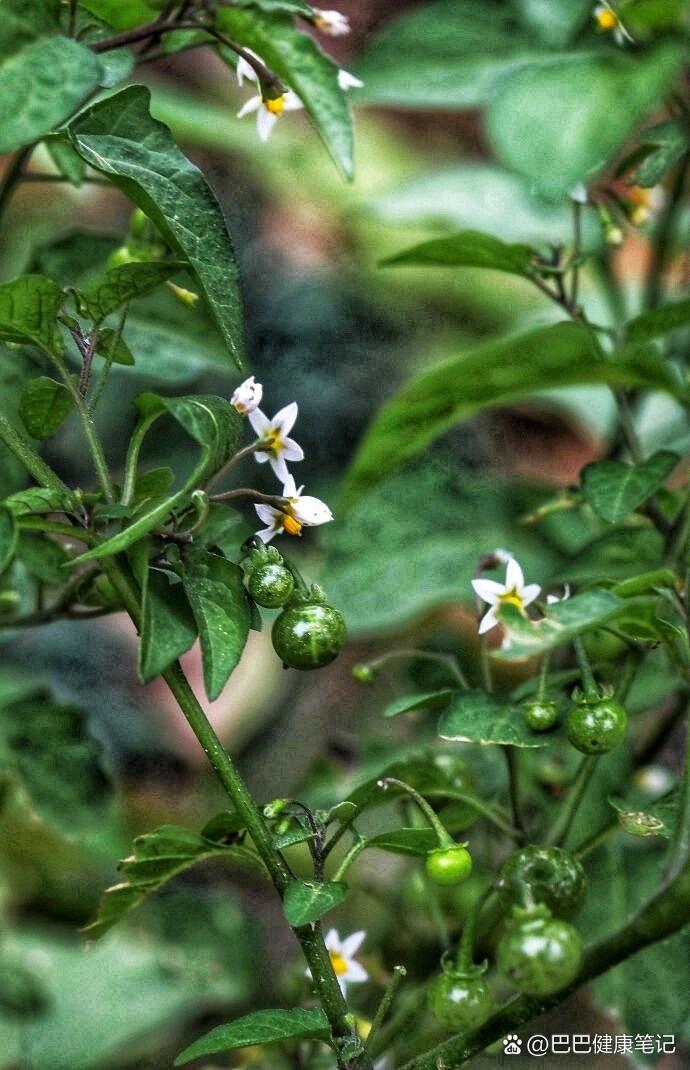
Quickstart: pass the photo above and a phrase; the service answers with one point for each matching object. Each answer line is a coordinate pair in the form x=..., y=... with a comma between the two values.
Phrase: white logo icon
x=512, y=1045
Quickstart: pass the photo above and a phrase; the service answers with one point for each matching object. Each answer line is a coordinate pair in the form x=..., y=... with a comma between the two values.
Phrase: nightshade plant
x=560, y=755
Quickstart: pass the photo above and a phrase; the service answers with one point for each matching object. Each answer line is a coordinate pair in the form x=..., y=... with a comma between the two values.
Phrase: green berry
x=596, y=726
x=449, y=865
x=550, y=875
x=271, y=585
x=540, y=715
x=308, y=635
x=460, y=1001
x=539, y=954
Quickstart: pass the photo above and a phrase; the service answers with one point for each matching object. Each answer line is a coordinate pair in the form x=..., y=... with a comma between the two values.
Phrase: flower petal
x=253, y=104
x=266, y=534
x=259, y=421
x=265, y=121
x=352, y=943
x=515, y=578
x=311, y=511
x=285, y=418
x=332, y=940
x=260, y=457
x=348, y=81
x=244, y=71
x=488, y=590
x=355, y=974
x=291, y=450
x=267, y=513
x=291, y=102
x=488, y=621
x=529, y=593
x=290, y=487
x=280, y=468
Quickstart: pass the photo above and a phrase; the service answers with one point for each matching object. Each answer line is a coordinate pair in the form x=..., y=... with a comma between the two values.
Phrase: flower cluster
x=269, y=105
x=274, y=446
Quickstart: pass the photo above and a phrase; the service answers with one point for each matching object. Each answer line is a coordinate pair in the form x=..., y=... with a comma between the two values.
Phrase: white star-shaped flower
x=296, y=512
x=334, y=23
x=514, y=592
x=608, y=21
x=348, y=81
x=274, y=445
x=347, y=969
x=270, y=110
x=247, y=397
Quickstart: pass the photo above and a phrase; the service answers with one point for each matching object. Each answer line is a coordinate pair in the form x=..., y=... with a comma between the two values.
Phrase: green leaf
x=45, y=406
x=305, y=902
x=212, y=423
x=153, y=484
x=113, y=348
x=261, y=1027
x=167, y=624
x=663, y=146
x=439, y=397
x=41, y=85
x=646, y=582
x=470, y=248
x=659, y=322
x=559, y=119
x=119, y=137
x=565, y=620
x=121, y=285
x=413, y=841
x=477, y=717
x=443, y=55
x=614, y=489
x=39, y=500
x=639, y=822
x=158, y=857
x=29, y=308
x=122, y=14
x=216, y=593
x=8, y=537
x=427, y=700
x=298, y=61
x=47, y=746
x=292, y=836
x=69, y=164
x=43, y=558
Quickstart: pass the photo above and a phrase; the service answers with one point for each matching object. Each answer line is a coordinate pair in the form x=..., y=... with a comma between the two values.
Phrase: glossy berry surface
x=540, y=716
x=551, y=875
x=308, y=636
x=449, y=865
x=596, y=727
x=270, y=585
x=539, y=954
x=460, y=1002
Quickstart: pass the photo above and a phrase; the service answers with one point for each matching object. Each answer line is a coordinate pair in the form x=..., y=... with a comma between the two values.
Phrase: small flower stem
x=354, y=852
x=246, y=451
x=514, y=791
x=132, y=460
x=26, y=454
x=248, y=492
x=446, y=660
x=589, y=684
x=577, y=249
x=543, y=677
x=561, y=828
x=444, y=837
x=89, y=429
x=397, y=978
x=465, y=958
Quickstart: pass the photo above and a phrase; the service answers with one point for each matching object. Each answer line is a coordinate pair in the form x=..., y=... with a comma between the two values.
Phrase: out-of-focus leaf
x=298, y=61
x=554, y=21
x=404, y=841
x=216, y=592
x=565, y=620
x=43, y=78
x=442, y=55
x=43, y=558
x=646, y=582
x=664, y=145
x=470, y=248
x=459, y=387
x=639, y=822
x=29, y=308
x=122, y=14
x=158, y=857
x=559, y=119
x=261, y=1027
x=47, y=746
x=119, y=137
x=477, y=717
x=659, y=322
x=122, y=284
x=418, y=534
x=427, y=700
x=69, y=164
x=614, y=489
x=305, y=902
x=45, y=406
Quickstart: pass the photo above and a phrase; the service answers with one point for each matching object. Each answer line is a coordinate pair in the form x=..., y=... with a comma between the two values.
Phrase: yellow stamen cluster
x=276, y=105
x=291, y=525
x=511, y=598
x=338, y=962
x=607, y=19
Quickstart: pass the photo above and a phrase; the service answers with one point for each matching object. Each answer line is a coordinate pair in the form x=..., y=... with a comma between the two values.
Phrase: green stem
x=246, y=451
x=132, y=459
x=543, y=677
x=54, y=527
x=679, y=848
x=399, y=975
x=665, y=913
x=465, y=959
x=35, y=465
x=589, y=684
x=662, y=245
x=442, y=834
x=354, y=852
x=446, y=660
x=13, y=176
x=309, y=937
x=511, y=758
x=562, y=827
x=89, y=429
